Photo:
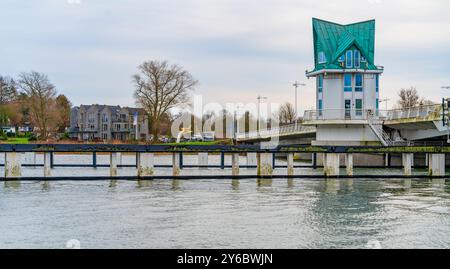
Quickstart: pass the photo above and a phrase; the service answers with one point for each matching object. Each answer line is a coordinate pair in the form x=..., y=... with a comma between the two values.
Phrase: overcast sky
x=236, y=49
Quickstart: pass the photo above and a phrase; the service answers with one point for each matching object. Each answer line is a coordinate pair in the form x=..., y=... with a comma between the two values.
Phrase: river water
x=250, y=213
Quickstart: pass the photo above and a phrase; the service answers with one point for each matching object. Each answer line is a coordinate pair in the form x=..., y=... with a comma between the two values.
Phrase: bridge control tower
x=347, y=84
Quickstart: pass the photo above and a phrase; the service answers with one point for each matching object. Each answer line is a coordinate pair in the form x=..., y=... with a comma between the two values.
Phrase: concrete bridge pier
x=436, y=165
x=251, y=159
x=264, y=163
x=176, y=164
x=203, y=159
x=349, y=164
x=145, y=164
x=290, y=164
x=113, y=158
x=47, y=164
x=235, y=164
x=13, y=166
x=407, y=160
x=331, y=164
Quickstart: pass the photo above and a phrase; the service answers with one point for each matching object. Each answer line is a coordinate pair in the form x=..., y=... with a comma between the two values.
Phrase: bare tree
x=41, y=94
x=286, y=114
x=160, y=87
x=8, y=90
x=408, y=98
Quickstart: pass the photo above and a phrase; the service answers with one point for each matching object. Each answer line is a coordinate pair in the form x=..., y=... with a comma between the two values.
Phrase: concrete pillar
x=203, y=159
x=47, y=167
x=290, y=164
x=113, y=164
x=349, y=164
x=235, y=164
x=407, y=160
x=252, y=159
x=145, y=164
x=331, y=166
x=436, y=165
x=176, y=164
x=264, y=163
x=13, y=165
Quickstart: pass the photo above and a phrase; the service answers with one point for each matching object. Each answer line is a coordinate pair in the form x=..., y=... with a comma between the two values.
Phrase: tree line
x=32, y=100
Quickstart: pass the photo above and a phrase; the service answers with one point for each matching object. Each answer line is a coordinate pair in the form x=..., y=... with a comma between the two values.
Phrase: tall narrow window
x=320, y=83
x=349, y=59
x=322, y=57
x=358, y=83
x=348, y=83
x=357, y=59
x=377, y=106
x=320, y=107
x=377, y=82
x=358, y=107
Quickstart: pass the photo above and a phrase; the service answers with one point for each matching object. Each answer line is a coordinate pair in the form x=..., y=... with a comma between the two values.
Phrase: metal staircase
x=377, y=127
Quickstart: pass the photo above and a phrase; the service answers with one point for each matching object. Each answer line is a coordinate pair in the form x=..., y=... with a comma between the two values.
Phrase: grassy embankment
x=16, y=140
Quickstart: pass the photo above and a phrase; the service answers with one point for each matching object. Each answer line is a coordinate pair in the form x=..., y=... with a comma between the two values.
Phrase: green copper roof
x=335, y=39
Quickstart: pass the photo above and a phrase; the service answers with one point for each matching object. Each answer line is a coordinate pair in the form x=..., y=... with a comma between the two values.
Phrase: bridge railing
x=340, y=114
x=276, y=131
x=428, y=111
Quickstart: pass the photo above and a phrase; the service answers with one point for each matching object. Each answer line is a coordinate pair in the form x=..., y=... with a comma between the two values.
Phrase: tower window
x=320, y=83
x=320, y=107
x=358, y=83
x=322, y=57
x=348, y=83
x=377, y=82
x=349, y=59
x=357, y=59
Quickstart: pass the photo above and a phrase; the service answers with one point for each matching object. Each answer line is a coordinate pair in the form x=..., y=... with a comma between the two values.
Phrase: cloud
x=236, y=49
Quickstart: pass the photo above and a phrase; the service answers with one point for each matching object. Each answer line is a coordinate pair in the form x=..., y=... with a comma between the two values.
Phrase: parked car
x=208, y=136
x=197, y=138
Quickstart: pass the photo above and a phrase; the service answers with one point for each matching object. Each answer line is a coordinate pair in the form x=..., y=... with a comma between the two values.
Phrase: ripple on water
x=225, y=214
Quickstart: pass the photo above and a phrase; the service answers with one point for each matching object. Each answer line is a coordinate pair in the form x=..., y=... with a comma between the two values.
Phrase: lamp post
x=235, y=123
x=296, y=85
x=385, y=100
x=257, y=117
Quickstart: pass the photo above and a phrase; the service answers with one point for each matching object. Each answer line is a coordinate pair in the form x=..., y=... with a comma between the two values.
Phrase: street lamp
x=259, y=104
x=296, y=85
x=385, y=100
x=235, y=123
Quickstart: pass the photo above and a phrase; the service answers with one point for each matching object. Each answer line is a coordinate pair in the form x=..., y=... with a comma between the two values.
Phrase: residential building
x=107, y=123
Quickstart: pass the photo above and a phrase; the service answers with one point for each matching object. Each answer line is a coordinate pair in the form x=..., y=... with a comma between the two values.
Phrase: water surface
x=201, y=213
